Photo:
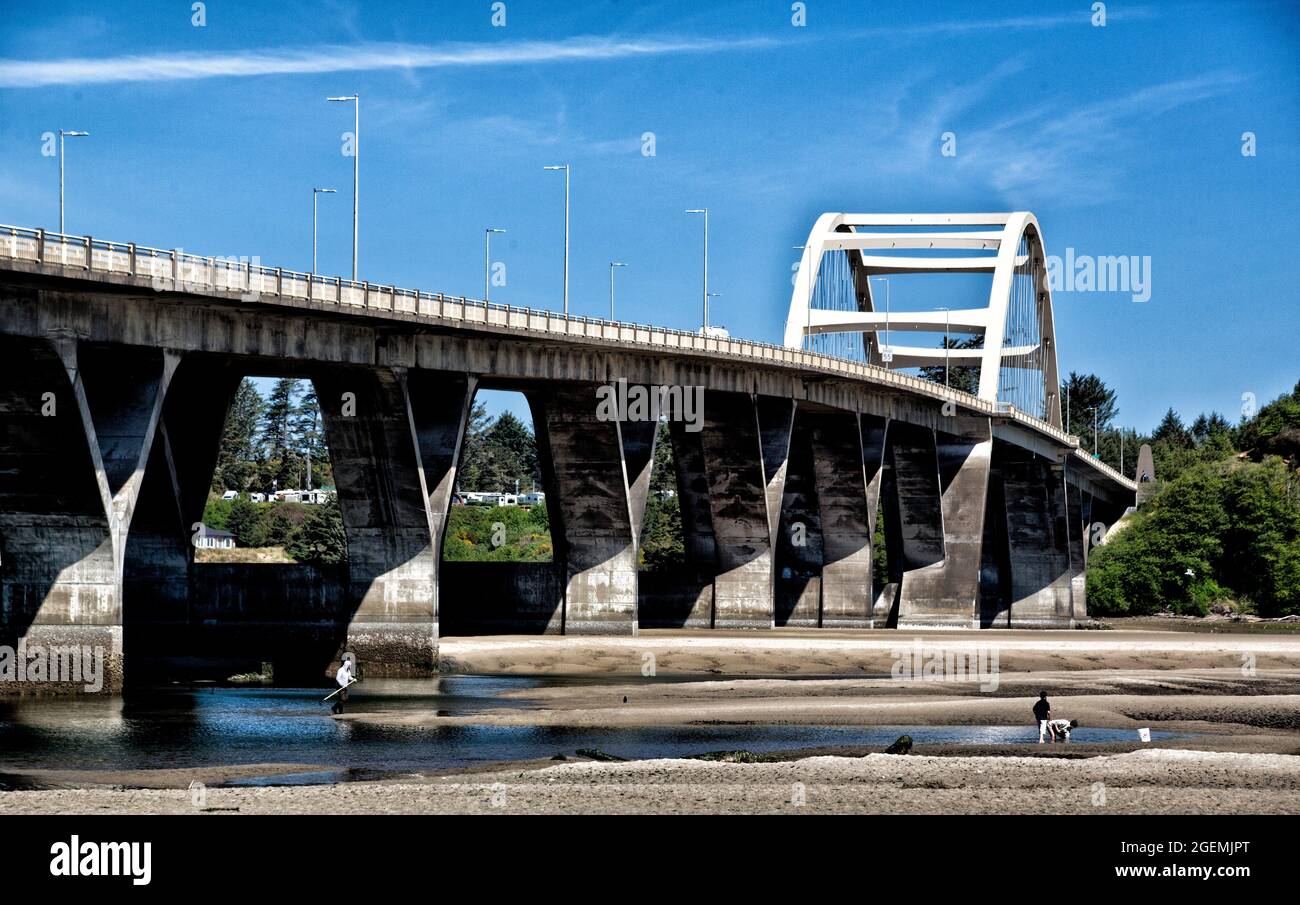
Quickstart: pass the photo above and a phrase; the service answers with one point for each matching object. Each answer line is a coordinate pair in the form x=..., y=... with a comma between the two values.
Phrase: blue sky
x=1124, y=140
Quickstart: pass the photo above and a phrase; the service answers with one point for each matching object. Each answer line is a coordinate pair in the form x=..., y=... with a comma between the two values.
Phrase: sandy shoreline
x=1143, y=782
x=1235, y=699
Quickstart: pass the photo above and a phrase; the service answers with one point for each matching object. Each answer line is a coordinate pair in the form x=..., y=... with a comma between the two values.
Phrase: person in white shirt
x=344, y=677
x=1061, y=729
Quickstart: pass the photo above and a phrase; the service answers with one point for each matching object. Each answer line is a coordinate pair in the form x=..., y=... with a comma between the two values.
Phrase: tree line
x=1224, y=527
x=268, y=441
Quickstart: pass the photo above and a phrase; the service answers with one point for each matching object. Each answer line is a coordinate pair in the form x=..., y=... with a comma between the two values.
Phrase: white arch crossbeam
x=1014, y=246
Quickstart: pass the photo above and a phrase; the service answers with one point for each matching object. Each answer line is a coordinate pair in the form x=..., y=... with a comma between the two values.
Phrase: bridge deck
x=31, y=250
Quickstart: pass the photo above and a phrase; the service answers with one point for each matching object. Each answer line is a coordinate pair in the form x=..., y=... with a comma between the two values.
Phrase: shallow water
x=223, y=726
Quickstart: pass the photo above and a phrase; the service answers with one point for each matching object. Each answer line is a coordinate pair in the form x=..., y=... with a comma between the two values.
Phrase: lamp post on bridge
x=315, y=194
x=487, y=262
x=70, y=133
x=356, y=170
x=612, y=265
x=705, y=212
x=567, y=173
x=947, y=315
x=886, y=353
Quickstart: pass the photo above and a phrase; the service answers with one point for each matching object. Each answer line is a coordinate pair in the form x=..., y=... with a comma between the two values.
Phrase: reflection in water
x=222, y=726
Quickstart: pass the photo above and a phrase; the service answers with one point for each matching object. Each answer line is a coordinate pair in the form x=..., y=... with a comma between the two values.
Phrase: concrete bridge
x=118, y=364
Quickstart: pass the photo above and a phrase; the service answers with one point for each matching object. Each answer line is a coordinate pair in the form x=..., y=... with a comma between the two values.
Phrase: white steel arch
x=1017, y=326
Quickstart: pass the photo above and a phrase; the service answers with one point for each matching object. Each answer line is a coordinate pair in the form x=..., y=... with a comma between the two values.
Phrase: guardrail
x=176, y=270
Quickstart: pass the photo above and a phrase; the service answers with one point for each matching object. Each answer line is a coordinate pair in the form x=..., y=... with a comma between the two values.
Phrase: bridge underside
x=803, y=502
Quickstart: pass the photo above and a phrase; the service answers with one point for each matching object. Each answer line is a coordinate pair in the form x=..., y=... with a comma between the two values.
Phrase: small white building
x=212, y=539
x=536, y=498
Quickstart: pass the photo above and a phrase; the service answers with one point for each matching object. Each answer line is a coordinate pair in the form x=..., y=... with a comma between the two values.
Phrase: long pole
x=72, y=133
x=706, y=268
x=705, y=211
x=565, y=167
x=315, y=196
x=947, y=328
x=356, y=170
x=356, y=180
x=612, y=265
x=566, y=240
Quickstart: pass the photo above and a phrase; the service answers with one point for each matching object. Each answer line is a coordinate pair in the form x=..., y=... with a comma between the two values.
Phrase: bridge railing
x=180, y=271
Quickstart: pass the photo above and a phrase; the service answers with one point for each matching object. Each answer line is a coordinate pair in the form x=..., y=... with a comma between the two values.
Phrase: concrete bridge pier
x=78, y=424
x=845, y=503
x=799, y=543
x=942, y=478
x=745, y=443
x=380, y=441
x=1038, y=540
x=1079, y=512
x=157, y=574
x=597, y=475
x=695, y=609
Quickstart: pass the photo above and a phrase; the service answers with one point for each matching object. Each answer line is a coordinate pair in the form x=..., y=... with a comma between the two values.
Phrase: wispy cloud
x=351, y=58
x=1068, y=147
x=1080, y=18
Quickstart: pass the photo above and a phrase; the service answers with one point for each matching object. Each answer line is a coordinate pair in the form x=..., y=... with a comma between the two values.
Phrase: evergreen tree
x=243, y=522
x=960, y=377
x=238, y=455
x=321, y=537
x=1086, y=397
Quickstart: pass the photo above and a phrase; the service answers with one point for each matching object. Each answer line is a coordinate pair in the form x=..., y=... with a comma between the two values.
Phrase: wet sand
x=1156, y=781
x=816, y=652
x=1236, y=697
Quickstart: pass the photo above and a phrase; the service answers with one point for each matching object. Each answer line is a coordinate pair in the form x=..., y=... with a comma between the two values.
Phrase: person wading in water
x=1042, y=713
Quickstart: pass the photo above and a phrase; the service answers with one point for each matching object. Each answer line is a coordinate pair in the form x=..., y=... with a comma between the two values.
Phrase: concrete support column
x=440, y=408
x=743, y=442
x=596, y=498
x=875, y=433
x=378, y=471
x=846, y=520
x=943, y=517
x=79, y=423
x=798, y=547
x=1079, y=509
x=173, y=494
x=699, y=544
x=1038, y=541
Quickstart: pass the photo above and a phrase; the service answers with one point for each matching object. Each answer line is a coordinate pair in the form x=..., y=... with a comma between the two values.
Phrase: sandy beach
x=1232, y=701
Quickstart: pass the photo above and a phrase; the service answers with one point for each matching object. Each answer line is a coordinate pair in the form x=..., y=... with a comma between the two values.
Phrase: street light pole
x=487, y=262
x=565, y=167
x=612, y=265
x=889, y=348
x=71, y=134
x=356, y=171
x=315, y=194
x=947, y=328
x=705, y=212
